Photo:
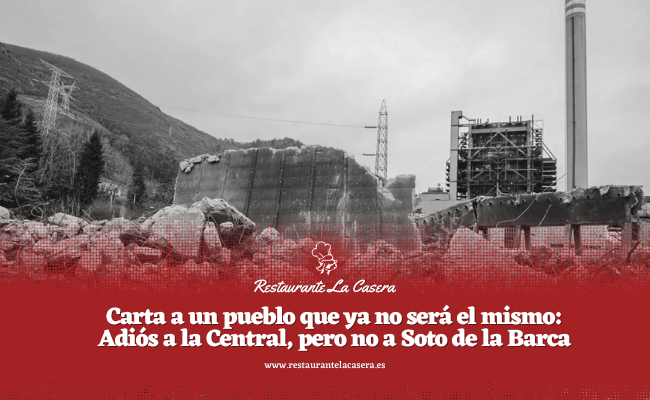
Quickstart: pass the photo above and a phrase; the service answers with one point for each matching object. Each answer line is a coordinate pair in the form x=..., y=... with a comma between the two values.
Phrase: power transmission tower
x=66, y=96
x=52, y=103
x=381, y=157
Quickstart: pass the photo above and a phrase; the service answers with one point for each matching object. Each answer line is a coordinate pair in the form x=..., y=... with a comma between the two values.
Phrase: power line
x=264, y=118
x=103, y=115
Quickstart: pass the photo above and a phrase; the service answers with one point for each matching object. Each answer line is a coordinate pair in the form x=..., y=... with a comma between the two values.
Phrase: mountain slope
x=135, y=133
x=104, y=100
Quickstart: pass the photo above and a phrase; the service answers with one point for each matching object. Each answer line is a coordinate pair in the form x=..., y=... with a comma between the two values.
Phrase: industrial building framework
x=498, y=158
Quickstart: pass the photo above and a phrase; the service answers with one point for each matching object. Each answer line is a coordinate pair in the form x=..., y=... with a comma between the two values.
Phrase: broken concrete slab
x=126, y=230
x=71, y=229
x=63, y=219
x=285, y=249
x=6, y=242
x=602, y=205
x=65, y=254
x=313, y=191
x=43, y=246
x=55, y=232
x=3, y=260
x=146, y=254
x=92, y=228
x=211, y=237
x=234, y=226
x=116, y=224
x=182, y=228
x=37, y=229
x=554, y=218
x=31, y=261
x=149, y=222
x=187, y=165
x=472, y=258
x=4, y=213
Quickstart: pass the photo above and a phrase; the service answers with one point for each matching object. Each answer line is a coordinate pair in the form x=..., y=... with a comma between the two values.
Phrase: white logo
x=323, y=252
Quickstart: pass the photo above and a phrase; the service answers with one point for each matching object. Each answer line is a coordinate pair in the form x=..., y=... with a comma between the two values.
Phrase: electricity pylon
x=381, y=157
x=52, y=102
x=66, y=96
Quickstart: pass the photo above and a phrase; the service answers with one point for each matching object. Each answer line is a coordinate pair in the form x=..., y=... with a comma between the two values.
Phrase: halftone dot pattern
x=186, y=256
x=190, y=254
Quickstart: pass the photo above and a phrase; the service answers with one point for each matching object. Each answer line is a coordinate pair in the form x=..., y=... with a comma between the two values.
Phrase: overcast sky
x=334, y=61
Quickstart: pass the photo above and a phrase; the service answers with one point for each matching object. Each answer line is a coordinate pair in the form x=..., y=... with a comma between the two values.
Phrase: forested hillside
x=136, y=145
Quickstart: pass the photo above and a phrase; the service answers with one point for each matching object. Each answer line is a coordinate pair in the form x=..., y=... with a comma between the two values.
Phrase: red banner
x=52, y=340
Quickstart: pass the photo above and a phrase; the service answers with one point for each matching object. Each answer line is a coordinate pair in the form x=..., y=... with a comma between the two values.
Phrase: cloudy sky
x=333, y=62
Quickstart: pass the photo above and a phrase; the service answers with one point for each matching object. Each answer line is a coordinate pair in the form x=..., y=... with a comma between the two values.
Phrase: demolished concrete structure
x=614, y=206
x=186, y=248
x=316, y=192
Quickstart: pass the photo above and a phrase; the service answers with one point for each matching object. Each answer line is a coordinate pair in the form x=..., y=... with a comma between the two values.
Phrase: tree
x=11, y=109
x=89, y=170
x=16, y=186
x=139, y=187
x=19, y=153
x=8, y=159
x=33, y=148
x=218, y=149
x=116, y=165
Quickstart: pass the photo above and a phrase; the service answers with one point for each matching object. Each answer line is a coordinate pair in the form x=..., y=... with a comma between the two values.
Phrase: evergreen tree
x=16, y=186
x=33, y=142
x=91, y=166
x=8, y=159
x=11, y=108
x=139, y=188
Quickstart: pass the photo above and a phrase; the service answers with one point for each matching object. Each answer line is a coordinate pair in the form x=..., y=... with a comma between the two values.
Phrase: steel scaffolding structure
x=499, y=158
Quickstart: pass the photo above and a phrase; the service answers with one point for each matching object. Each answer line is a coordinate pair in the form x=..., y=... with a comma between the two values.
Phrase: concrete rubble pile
x=210, y=240
x=185, y=239
x=472, y=258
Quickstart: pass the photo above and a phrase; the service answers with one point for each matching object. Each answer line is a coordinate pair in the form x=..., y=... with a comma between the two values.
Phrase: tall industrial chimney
x=576, y=94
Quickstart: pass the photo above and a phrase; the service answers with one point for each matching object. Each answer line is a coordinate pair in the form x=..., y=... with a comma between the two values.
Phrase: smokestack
x=576, y=94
